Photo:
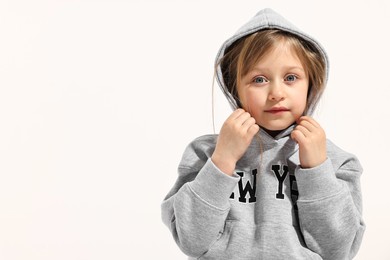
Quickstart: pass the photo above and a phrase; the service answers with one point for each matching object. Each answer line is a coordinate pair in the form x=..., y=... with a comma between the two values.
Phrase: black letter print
x=281, y=178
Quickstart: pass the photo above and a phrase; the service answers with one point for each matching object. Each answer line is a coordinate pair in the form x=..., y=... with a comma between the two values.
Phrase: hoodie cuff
x=213, y=186
x=318, y=182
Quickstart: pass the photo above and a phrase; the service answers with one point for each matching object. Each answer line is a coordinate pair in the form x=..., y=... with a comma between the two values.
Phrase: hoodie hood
x=264, y=19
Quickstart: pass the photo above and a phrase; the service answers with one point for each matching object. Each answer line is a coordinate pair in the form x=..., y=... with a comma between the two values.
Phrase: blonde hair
x=246, y=52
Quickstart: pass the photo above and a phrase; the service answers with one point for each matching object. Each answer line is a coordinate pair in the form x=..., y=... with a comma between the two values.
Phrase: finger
x=297, y=136
x=249, y=122
x=303, y=130
x=308, y=126
x=242, y=118
x=311, y=120
x=236, y=113
x=253, y=129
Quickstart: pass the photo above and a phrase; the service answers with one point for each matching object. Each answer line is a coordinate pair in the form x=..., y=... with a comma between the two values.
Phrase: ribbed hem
x=318, y=182
x=214, y=186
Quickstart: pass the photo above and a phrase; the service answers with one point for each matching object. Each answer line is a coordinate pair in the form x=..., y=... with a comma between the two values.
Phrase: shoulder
x=341, y=158
x=198, y=151
x=204, y=141
x=336, y=151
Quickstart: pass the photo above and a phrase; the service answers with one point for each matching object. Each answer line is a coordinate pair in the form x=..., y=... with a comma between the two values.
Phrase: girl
x=270, y=185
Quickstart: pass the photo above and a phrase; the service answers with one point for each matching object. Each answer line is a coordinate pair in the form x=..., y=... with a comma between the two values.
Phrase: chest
x=266, y=192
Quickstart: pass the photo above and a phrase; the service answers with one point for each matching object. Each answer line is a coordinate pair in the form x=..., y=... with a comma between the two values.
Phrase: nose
x=276, y=92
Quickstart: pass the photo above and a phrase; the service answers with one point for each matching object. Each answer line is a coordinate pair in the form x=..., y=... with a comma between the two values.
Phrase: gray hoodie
x=270, y=208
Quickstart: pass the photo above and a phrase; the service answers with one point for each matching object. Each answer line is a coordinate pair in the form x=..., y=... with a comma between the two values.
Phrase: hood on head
x=264, y=19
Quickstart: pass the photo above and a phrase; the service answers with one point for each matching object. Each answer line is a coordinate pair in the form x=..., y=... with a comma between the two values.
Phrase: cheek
x=301, y=100
x=255, y=106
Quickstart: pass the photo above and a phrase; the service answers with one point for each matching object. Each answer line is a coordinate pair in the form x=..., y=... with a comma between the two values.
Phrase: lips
x=277, y=110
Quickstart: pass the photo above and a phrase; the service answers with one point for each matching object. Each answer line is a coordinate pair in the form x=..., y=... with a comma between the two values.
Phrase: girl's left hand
x=311, y=139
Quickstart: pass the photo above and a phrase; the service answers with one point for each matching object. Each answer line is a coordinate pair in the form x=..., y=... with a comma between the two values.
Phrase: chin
x=275, y=128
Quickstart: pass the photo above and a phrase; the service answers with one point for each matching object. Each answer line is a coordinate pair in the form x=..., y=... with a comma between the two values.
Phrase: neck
x=273, y=133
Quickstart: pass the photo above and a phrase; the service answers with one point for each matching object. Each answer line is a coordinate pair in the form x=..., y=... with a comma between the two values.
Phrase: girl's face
x=274, y=92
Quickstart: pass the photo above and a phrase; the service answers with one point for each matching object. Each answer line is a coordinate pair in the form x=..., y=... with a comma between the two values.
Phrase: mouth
x=277, y=110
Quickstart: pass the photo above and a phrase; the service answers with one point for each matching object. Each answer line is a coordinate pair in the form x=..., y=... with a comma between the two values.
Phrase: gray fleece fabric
x=270, y=208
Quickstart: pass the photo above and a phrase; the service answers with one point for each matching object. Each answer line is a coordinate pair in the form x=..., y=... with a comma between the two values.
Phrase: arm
x=196, y=213
x=329, y=203
x=330, y=208
x=196, y=209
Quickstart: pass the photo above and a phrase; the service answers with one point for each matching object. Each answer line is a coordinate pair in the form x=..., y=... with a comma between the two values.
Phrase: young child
x=270, y=185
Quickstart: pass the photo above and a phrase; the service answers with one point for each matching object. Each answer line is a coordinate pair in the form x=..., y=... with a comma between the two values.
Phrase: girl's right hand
x=234, y=138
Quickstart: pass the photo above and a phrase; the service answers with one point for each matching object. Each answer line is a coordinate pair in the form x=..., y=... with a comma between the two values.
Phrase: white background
x=98, y=100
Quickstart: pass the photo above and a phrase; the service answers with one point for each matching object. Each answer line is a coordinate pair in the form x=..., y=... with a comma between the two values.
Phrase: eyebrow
x=295, y=67
x=257, y=69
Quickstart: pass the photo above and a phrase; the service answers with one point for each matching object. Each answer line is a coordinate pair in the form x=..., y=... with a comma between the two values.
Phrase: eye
x=260, y=80
x=291, y=77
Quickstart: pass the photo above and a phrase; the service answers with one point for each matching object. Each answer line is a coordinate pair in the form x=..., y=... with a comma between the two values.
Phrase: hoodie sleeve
x=330, y=206
x=196, y=208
